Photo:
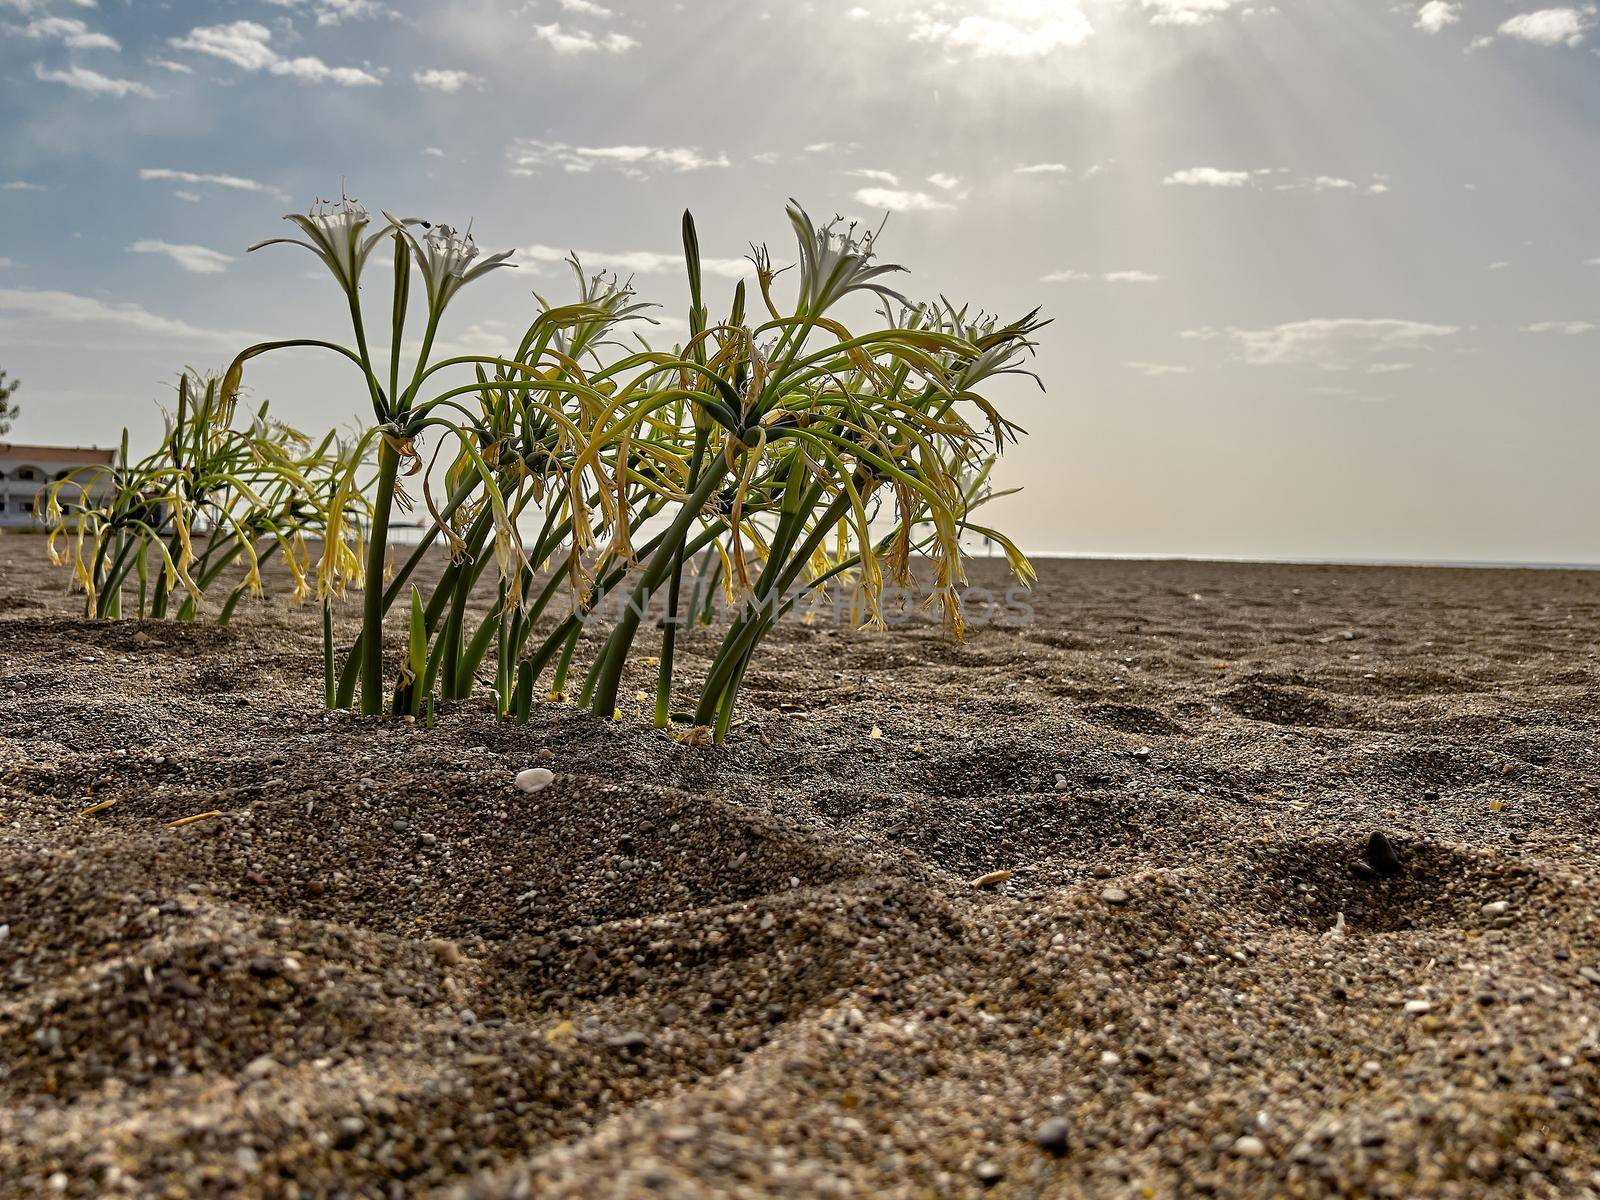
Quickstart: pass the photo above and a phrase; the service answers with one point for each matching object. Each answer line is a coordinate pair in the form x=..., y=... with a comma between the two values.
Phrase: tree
x=8, y=407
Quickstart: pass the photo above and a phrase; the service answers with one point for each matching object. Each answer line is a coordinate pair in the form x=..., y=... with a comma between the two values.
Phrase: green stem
x=351, y=670
x=756, y=619
x=329, y=684
x=372, y=599
x=615, y=652
x=669, y=634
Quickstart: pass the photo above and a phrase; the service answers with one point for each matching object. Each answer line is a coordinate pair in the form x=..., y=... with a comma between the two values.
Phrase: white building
x=26, y=471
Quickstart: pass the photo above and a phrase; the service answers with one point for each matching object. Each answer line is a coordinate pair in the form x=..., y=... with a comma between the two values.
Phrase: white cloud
x=242, y=43
x=1436, y=14
x=245, y=45
x=1186, y=12
x=432, y=152
x=237, y=183
x=1072, y=276
x=332, y=12
x=1333, y=344
x=1042, y=168
x=70, y=31
x=1015, y=29
x=1588, y=262
x=1551, y=26
x=1208, y=177
x=198, y=260
x=177, y=68
x=888, y=178
x=21, y=185
x=1569, y=328
x=942, y=180
x=189, y=197
x=1499, y=266
x=84, y=80
x=1157, y=370
x=28, y=7
x=581, y=41
x=6, y=262
x=445, y=80
x=49, y=316
x=527, y=156
x=900, y=200
x=587, y=8
x=640, y=262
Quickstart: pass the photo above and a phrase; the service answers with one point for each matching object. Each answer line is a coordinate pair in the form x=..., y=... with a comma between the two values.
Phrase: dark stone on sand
x=633, y=1040
x=1382, y=857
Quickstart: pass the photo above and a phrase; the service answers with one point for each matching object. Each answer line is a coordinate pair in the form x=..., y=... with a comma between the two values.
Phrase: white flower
x=334, y=230
x=835, y=262
x=1000, y=348
x=445, y=258
x=611, y=301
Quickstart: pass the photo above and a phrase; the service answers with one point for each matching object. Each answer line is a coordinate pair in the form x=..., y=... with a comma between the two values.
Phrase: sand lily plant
x=611, y=486
x=204, y=511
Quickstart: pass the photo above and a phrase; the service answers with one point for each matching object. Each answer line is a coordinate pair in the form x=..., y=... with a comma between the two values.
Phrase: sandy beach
x=1086, y=906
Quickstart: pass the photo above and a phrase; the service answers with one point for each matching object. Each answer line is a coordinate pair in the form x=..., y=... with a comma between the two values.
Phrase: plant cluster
x=205, y=510
x=774, y=452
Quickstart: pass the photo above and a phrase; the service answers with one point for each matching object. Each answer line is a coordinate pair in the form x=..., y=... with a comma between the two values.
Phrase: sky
x=1324, y=275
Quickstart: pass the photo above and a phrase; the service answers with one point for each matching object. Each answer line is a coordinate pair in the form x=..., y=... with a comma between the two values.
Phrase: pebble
x=1382, y=856
x=256, y=1068
x=1115, y=895
x=1497, y=908
x=1052, y=1136
x=1250, y=1147
x=634, y=1039
x=1062, y=783
x=1417, y=1007
x=992, y=879
x=535, y=779
x=989, y=1173
x=1590, y=974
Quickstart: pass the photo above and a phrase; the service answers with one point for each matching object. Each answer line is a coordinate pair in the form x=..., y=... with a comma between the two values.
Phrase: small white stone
x=1250, y=1147
x=1417, y=1007
x=535, y=779
x=1498, y=908
x=1110, y=1059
